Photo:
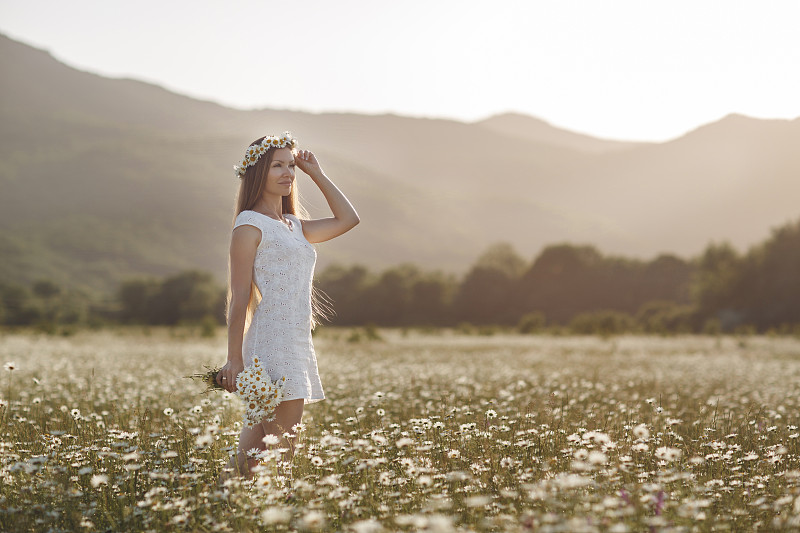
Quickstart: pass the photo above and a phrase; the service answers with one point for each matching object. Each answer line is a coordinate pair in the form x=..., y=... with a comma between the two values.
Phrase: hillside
x=103, y=179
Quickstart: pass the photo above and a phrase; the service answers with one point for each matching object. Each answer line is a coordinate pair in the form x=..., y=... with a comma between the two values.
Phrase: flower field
x=433, y=431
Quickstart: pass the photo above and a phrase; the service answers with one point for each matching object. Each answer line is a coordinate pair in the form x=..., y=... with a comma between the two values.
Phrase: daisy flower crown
x=257, y=150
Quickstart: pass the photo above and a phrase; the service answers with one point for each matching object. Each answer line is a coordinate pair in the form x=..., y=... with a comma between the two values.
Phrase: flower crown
x=257, y=150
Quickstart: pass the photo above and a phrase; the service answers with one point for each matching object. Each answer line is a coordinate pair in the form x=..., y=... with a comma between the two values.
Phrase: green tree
x=388, y=301
x=345, y=287
x=776, y=298
x=431, y=300
x=564, y=280
x=485, y=297
x=715, y=284
x=668, y=278
x=187, y=296
x=504, y=258
x=135, y=298
x=20, y=308
x=765, y=283
x=488, y=293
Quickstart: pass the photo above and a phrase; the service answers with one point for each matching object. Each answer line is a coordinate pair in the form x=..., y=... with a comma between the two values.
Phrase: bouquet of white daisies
x=259, y=393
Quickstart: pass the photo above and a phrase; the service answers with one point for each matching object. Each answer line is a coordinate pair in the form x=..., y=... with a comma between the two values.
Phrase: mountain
x=102, y=179
x=539, y=131
x=731, y=180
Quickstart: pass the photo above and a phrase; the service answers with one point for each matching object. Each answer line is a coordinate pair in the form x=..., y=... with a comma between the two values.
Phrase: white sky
x=625, y=69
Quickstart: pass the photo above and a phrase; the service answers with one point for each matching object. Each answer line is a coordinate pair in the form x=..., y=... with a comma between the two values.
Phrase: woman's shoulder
x=247, y=217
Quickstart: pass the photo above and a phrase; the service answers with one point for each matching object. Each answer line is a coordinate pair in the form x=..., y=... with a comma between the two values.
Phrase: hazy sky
x=626, y=69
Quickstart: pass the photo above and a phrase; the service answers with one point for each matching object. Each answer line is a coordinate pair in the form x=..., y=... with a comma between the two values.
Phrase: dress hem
x=308, y=400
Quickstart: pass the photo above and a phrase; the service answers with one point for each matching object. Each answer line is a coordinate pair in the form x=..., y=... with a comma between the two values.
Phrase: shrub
x=465, y=328
x=371, y=332
x=531, y=322
x=664, y=317
x=713, y=326
x=604, y=323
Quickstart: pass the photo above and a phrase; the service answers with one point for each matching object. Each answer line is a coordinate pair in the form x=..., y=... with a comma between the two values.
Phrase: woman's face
x=280, y=176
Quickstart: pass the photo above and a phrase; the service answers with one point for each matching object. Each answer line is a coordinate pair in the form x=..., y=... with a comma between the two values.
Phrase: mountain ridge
x=538, y=130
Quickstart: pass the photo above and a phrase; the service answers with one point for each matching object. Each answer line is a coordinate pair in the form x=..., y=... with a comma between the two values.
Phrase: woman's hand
x=307, y=162
x=229, y=373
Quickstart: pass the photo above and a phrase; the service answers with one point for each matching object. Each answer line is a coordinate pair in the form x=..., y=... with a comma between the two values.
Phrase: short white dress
x=280, y=331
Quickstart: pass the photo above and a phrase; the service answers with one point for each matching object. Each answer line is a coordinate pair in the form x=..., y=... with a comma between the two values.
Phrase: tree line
x=567, y=287
x=189, y=297
x=562, y=284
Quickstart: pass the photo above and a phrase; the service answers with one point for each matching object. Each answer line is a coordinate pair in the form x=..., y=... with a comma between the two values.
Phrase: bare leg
x=287, y=414
x=240, y=464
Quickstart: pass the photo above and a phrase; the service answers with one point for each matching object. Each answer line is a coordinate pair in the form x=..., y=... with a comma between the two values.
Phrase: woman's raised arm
x=344, y=216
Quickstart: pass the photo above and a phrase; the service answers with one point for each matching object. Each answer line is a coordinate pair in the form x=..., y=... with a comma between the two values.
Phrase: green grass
x=437, y=431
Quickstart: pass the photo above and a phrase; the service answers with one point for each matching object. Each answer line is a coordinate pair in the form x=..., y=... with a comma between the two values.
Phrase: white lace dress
x=280, y=332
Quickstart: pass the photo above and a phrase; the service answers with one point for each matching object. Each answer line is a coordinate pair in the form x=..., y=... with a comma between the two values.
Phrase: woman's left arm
x=344, y=216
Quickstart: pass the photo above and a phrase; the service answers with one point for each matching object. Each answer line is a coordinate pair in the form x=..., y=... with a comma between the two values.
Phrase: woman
x=271, y=269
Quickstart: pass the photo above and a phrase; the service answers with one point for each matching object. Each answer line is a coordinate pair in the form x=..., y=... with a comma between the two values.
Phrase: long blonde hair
x=250, y=190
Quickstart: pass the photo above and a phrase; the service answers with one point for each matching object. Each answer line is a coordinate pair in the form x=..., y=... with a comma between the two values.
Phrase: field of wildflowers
x=433, y=431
